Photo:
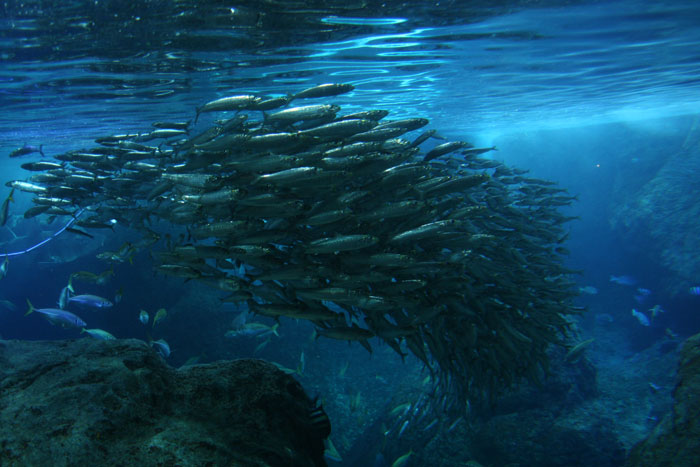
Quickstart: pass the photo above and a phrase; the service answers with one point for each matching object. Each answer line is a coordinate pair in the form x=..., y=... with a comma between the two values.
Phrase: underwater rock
x=676, y=440
x=664, y=216
x=567, y=385
x=539, y=437
x=91, y=402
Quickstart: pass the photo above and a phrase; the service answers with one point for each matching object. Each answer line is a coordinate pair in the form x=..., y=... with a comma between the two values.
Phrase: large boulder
x=92, y=402
x=676, y=440
x=664, y=215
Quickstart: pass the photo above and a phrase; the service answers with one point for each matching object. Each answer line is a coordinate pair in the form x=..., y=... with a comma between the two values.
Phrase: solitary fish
x=161, y=347
x=623, y=280
x=65, y=294
x=160, y=314
x=56, y=316
x=3, y=268
x=27, y=149
x=641, y=317
x=588, y=289
x=143, y=317
x=5, y=210
x=574, y=354
x=98, y=334
x=91, y=301
x=655, y=310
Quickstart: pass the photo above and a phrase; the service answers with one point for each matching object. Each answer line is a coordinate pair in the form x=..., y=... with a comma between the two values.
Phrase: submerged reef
x=302, y=212
x=676, y=440
x=115, y=402
x=664, y=214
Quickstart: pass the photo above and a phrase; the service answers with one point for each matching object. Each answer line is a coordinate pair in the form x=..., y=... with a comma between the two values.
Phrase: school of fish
x=343, y=220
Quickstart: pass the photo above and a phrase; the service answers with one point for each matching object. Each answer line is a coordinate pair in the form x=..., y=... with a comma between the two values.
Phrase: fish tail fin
x=70, y=284
x=30, y=309
x=10, y=198
x=41, y=150
x=274, y=329
x=82, y=330
x=199, y=110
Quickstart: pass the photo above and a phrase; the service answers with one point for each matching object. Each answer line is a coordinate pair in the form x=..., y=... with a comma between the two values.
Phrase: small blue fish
x=143, y=317
x=403, y=428
x=454, y=424
x=623, y=280
x=90, y=301
x=5, y=209
x=65, y=295
x=588, y=289
x=57, y=316
x=694, y=290
x=655, y=310
x=641, y=317
x=430, y=425
x=161, y=347
x=98, y=334
x=3, y=268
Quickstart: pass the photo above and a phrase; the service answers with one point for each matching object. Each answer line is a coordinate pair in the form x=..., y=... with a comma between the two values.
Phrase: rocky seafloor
x=676, y=440
x=90, y=402
x=657, y=205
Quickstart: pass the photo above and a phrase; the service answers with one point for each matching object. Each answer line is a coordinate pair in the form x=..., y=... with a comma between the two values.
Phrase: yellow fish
x=160, y=314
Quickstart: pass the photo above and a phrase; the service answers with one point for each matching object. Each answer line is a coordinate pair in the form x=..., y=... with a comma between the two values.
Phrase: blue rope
x=70, y=222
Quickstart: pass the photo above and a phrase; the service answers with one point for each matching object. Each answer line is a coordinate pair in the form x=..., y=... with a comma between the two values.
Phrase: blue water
x=593, y=95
